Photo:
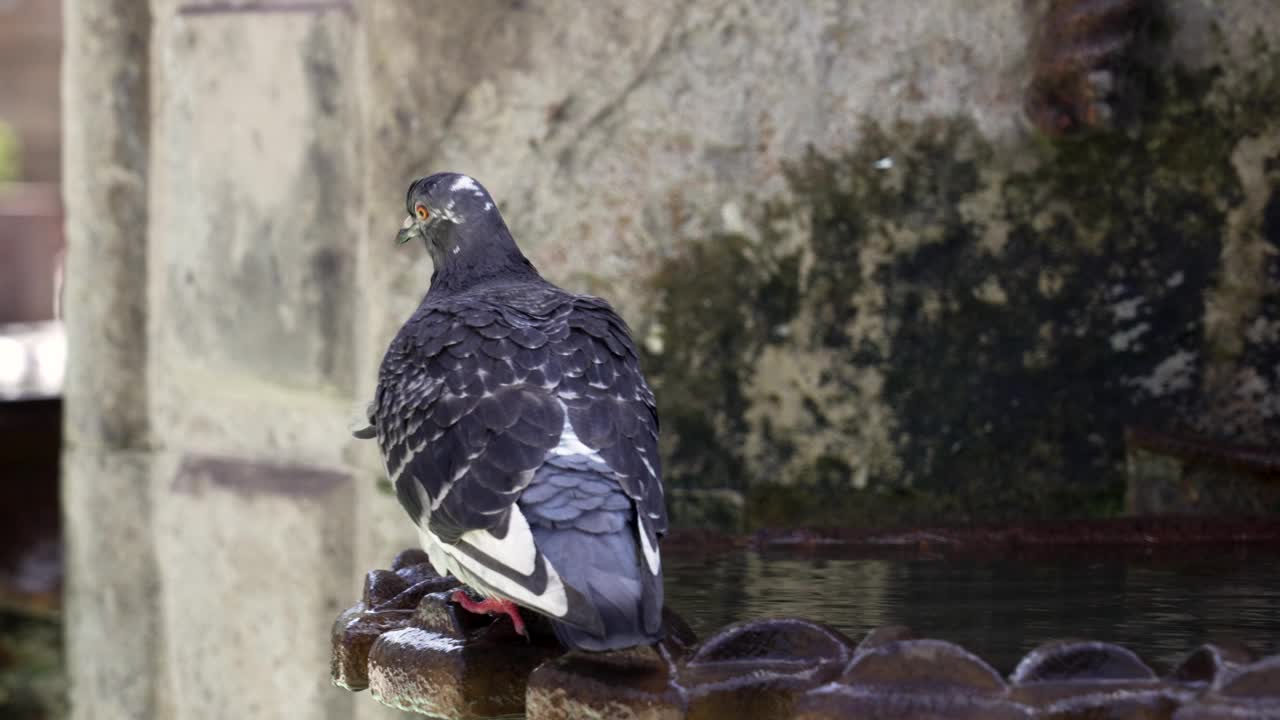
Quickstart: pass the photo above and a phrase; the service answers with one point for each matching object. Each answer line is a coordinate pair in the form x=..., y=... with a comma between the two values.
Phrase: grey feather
x=606, y=569
x=586, y=526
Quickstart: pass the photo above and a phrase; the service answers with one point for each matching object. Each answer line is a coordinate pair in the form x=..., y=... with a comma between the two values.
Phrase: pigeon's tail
x=587, y=528
x=608, y=572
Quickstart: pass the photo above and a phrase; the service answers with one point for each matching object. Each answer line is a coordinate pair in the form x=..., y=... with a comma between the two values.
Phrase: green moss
x=33, y=683
x=10, y=167
x=720, y=510
x=1008, y=321
x=721, y=300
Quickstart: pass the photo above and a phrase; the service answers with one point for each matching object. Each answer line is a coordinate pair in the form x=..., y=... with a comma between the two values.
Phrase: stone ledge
x=417, y=651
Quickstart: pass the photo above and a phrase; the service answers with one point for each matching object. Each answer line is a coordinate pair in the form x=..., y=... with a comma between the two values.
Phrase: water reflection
x=998, y=608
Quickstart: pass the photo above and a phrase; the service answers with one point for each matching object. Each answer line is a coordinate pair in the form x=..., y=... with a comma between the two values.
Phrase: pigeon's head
x=439, y=203
x=464, y=232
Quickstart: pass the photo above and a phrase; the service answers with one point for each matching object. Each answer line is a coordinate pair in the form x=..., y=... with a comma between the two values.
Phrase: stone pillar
x=212, y=186
x=111, y=595
x=254, y=238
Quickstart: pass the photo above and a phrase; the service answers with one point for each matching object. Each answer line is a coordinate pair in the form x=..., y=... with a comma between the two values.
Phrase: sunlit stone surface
x=389, y=603
x=444, y=666
x=353, y=635
x=635, y=683
x=416, y=650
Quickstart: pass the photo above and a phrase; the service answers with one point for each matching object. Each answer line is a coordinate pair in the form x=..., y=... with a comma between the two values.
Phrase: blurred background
x=32, y=360
x=975, y=264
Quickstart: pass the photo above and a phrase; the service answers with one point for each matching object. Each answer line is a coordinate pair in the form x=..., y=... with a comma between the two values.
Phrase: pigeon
x=520, y=433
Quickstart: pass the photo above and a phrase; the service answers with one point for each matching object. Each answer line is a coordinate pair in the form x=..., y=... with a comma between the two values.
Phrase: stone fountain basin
x=415, y=650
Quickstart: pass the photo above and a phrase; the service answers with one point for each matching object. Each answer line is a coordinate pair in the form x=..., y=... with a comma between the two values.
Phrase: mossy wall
x=928, y=325
x=868, y=289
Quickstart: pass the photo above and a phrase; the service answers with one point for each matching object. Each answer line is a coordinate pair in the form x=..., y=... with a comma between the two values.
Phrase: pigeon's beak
x=408, y=231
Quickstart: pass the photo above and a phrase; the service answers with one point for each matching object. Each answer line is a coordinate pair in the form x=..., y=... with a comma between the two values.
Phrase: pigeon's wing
x=611, y=409
x=463, y=426
x=461, y=433
x=624, y=427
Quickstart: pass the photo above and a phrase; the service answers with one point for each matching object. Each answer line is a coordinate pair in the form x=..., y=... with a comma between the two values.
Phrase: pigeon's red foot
x=491, y=606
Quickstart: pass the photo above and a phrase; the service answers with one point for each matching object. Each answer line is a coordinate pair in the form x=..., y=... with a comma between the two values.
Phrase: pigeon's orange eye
x=422, y=212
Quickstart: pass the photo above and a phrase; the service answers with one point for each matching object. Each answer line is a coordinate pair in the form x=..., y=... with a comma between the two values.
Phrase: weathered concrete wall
x=868, y=290
x=863, y=285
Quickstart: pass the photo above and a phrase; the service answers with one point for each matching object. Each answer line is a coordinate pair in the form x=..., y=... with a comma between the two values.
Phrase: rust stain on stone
x=250, y=477
x=1085, y=53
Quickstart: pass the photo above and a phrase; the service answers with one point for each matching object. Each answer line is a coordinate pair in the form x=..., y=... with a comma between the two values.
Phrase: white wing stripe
x=552, y=601
x=515, y=549
x=651, y=557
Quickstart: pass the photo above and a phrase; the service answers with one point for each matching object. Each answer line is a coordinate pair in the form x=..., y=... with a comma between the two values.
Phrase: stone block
x=638, y=683
x=924, y=666
x=1065, y=660
x=238, y=415
x=253, y=235
x=354, y=633
x=254, y=558
x=1076, y=679
x=758, y=669
x=112, y=600
x=419, y=652
x=450, y=663
x=907, y=678
x=390, y=602
x=779, y=640
x=439, y=660
x=1210, y=663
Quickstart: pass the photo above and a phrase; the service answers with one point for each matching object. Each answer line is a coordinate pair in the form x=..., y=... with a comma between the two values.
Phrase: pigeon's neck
x=483, y=256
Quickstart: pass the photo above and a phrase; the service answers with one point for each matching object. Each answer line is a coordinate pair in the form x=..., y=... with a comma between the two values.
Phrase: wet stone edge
x=416, y=650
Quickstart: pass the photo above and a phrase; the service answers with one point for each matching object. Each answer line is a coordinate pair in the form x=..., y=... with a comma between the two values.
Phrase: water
x=1159, y=607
